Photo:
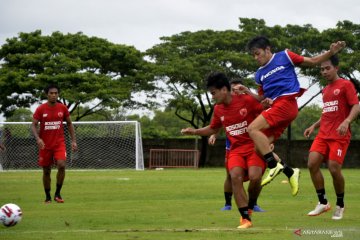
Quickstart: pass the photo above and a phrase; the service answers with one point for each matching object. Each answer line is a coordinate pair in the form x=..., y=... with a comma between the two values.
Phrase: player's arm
x=316, y=60
x=205, y=131
x=72, y=133
x=34, y=130
x=344, y=126
x=311, y=129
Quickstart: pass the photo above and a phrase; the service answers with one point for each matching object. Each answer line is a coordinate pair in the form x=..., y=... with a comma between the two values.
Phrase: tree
x=182, y=61
x=90, y=71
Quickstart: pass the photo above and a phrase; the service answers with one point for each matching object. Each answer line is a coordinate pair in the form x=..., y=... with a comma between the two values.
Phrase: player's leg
x=314, y=163
x=254, y=187
x=227, y=192
x=339, y=186
x=269, y=126
x=60, y=176
x=237, y=180
x=45, y=161
x=60, y=157
x=46, y=178
x=337, y=153
x=227, y=186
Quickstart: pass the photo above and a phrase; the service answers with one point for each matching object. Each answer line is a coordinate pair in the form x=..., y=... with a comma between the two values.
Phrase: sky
x=140, y=23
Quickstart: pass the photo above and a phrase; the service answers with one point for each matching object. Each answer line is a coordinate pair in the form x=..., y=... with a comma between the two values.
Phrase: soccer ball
x=10, y=214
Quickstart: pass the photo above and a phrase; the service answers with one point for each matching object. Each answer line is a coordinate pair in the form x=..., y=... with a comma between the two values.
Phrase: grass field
x=169, y=204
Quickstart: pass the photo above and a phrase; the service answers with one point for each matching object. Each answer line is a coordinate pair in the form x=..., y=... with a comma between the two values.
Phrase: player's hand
x=212, y=139
x=267, y=102
x=2, y=147
x=343, y=128
x=239, y=89
x=188, y=131
x=40, y=143
x=74, y=146
x=309, y=131
x=337, y=46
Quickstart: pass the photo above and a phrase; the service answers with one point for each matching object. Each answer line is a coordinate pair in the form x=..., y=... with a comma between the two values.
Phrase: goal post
x=101, y=145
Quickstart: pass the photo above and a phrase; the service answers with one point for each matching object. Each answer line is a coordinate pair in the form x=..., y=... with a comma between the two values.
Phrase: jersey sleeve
x=351, y=94
x=215, y=121
x=295, y=58
x=37, y=114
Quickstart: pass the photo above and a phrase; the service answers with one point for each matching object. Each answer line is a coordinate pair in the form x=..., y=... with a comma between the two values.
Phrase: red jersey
x=51, y=123
x=338, y=99
x=235, y=118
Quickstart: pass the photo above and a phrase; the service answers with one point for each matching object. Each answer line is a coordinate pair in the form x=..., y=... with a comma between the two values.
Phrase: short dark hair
x=50, y=86
x=217, y=80
x=258, y=42
x=334, y=59
x=237, y=81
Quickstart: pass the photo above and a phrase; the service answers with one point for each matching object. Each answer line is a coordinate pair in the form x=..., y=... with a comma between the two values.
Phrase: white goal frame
x=102, y=145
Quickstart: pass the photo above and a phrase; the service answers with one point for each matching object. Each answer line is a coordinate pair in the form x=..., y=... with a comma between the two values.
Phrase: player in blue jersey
x=279, y=87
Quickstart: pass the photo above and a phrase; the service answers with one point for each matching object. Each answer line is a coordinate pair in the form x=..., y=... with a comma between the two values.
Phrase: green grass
x=169, y=204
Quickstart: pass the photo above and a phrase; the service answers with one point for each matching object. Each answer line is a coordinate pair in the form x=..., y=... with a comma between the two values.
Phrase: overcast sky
x=140, y=23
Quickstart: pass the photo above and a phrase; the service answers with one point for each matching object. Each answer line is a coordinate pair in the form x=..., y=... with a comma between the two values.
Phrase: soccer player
x=51, y=139
x=340, y=108
x=279, y=87
x=234, y=113
x=235, y=89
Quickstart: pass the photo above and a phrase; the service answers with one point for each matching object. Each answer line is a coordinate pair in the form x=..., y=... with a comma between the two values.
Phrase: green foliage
x=85, y=68
x=164, y=124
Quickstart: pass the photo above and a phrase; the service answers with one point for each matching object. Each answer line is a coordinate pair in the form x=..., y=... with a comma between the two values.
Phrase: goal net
x=101, y=145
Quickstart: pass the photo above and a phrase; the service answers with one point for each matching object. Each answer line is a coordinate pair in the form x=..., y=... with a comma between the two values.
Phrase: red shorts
x=279, y=116
x=331, y=149
x=47, y=157
x=245, y=161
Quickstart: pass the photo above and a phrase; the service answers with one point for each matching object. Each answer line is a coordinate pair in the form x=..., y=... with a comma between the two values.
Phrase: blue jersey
x=227, y=144
x=278, y=77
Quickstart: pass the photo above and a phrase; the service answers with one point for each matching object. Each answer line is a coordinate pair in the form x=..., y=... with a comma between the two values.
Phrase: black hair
x=217, y=80
x=50, y=86
x=261, y=42
x=334, y=59
x=237, y=81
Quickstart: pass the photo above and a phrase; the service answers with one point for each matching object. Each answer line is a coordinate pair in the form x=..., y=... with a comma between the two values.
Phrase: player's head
x=235, y=84
x=52, y=92
x=218, y=85
x=260, y=48
x=329, y=68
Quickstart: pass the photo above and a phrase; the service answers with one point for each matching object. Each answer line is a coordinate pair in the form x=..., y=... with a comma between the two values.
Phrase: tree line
x=102, y=80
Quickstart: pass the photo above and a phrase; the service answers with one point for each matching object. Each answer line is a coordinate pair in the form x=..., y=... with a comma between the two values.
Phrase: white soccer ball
x=10, y=214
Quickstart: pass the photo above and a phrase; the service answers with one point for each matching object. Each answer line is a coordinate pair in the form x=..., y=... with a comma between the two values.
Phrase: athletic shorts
x=279, y=116
x=331, y=149
x=245, y=161
x=48, y=157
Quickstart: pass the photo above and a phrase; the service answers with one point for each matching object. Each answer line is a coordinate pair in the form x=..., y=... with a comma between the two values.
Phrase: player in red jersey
x=279, y=87
x=234, y=113
x=51, y=139
x=236, y=86
x=340, y=108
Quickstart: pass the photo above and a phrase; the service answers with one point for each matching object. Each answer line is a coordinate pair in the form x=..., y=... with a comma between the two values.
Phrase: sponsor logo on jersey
x=271, y=72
